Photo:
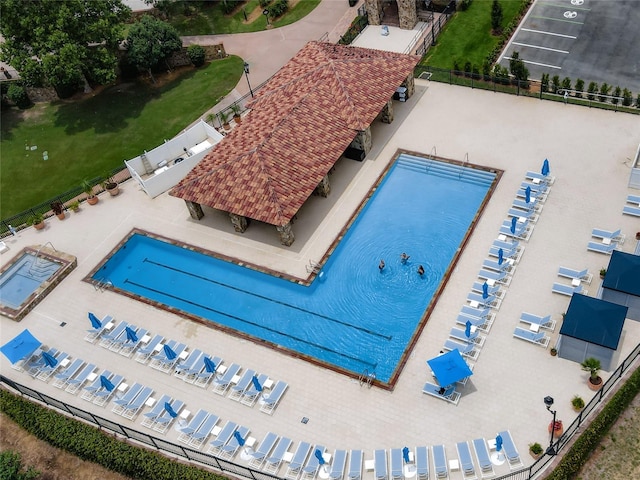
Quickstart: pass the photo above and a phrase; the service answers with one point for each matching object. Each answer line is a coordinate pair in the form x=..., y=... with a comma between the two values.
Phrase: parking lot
x=595, y=40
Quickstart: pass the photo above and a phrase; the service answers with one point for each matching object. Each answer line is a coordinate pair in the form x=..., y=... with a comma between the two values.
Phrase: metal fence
x=429, y=39
x=240, y=470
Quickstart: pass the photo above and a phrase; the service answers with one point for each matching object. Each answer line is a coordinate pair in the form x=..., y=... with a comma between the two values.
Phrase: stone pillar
x=387, y=112
x=195, y=210
x=324, y=187
x=407, y=13
x=363, y=140
x=410, y=85
x=374, y=11
x=286, y=234
x=239, y=222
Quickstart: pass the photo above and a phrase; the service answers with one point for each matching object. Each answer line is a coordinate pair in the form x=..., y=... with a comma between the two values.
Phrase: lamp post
x=265, y=12
x=246, y=74
x=548, y=401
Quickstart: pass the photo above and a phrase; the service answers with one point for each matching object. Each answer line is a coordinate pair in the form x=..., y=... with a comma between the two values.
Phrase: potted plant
x=553, y=351
x=557, y=427
x=603, y=272
x=110, y=185
x=235, y=108
x=592, y=365
x=87, y=188
x=577, y=403
x=58, y=209
x=535, y=450
x=74, y=206
x=637, y=235
x=224, y=119
x=37, y=220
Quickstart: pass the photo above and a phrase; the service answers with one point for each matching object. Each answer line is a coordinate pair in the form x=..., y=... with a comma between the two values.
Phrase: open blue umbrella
x=514, y=220
x=169, y=409
x=545, y=167
x=131, y=335
x=485, y=290
x=498, y=442
x=238, y=438
x=49, y=360
x=209, y=366
x=500, y=256
x=95, y=322
x=405, y=454
x=319, y=456
x=20, y=346
x=527, y=194
x=449, y=367
x=106, y=383
x=467, y=329
x=256, y=383
x=169, y=353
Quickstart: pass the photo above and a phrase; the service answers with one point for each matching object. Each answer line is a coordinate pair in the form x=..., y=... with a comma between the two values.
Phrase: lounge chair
x=536, y=188
x=199, y=375
x=548, y=179
x=616, y=236
x=34, y=364
x=123, y=339
x=440, y=462
x=513, y=457
x=338, y=463
x=107, y=339
x=310, y=470
x=163, y=422
x=95, y=333
x=539, y=338
x=567, y=290
x=130, y=410
x=629, y=210
x=523, y=205
x=506, y=244
x=355, y=465
x=468, y=350
x=507, y=264
x=490, y=301
x=295, y=466
x=602, y=248
x=221, y=385
x=459, y=334
x=193, y=425
x=76, y=383
x=230, y=448
x=484, y=312
x=243, y=384
x=200, y=436
x=449, y=394
x=89, y=391
x=543, y=322
x=512, y=254
x=129, y=347
x=223, y=437
x=150, y=417
x=633, y=199
x=422, y=463
x=102, y=396
x=491, y=289
x=530, y=215
x=45, y=371
x=380, y=465
x=484, y=460
x=537, y=197
x=165, y=364
x=582, y=275
x=466, y=462
x=251, y=394
x=128, y=397
x=482, y=324
x=500, y=277
x=146, y=351
x=273, y=462
x=62, y=378
x=183, y=369
x=397, y=464
x=260, y=455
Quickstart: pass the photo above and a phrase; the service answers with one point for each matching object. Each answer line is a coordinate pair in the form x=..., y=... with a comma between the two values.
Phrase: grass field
x=88, y=137
x=467, y=37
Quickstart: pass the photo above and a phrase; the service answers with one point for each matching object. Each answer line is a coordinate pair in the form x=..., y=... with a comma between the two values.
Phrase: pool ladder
x=464, y=162
x=313, y=267
x=35, y=264
x=102, y=284
x=366, y=378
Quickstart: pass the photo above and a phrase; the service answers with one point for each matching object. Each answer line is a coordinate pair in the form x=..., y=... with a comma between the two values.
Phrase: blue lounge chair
x=251, y=394
x=221, y=385
x=567, y=290
x=273, y=462
x=448, y=394
x=62, y=378
x=491, y=289
x=295, y=466
x=150, y=417
x=230, y=448
x=634, y=199
x=199, y=375
x=223, y=437
x=146, y=351
x=548, y=179
x=484, y=460
x=243, y=384
x=537, y=197
x=89, y=391
x=76, y=383
x=193, y=425
x=337, y=465
x=397, y=464
x=523, y=205
x=260, y=455
x=165, y=364
x=45, y=371
x=131, y=409
x=510, y=451
x=95, y=333
x=482, y=324
x=468, y=350
x=183, y=369
x=530, y=215
x=163, y=422
x=380, y=465
x=34, y=365
x=582, y=275
x=615, y=236
x=128, y=397
x=102, y=396
x=502, y=277
x=491, y=301
x=310, y=470
x=484, y=312
x=629, y=210
x=538, y=338
x=498, y=267
x=129, y=347
x=107, y=339
x=466, y=462
x=422, y=463
x=602, y=248
x=507, y=244
x=459, y=334
x=543, y=322
x=536, y=188
x=512, y=254
x=440, y=462
x=200, y=436
x=355, y=465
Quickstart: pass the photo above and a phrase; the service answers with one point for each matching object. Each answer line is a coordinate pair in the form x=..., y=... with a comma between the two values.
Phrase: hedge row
x=586, y=443
x=91, y=444
x=507, y=32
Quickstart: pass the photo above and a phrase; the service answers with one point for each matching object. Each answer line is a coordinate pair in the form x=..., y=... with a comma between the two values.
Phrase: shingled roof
x=298, y=127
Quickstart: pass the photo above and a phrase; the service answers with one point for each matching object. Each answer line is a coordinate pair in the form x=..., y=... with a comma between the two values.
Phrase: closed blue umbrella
x=485, y=290
x=169, y=353
x=319, y=456
x=545, y=167
x=209, y=366
x=238, y=438
x=169, y=409
x=498, y=443
x=256, y=383
x=405, y=454
x=131, y=335
x=95, y=322
x=106, y=383
x=49, y=359
x=500, y=256
x=514, y=220
x=467, y=329
x=527, y=194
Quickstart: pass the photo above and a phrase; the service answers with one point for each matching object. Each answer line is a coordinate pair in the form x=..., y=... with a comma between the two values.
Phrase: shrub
x=11, y=467
x=604, y=91
x=456, y=67
x=517, y=68
x=592, y=90
x=278, y=8
x=18, y=95
x=566, y=83
x=555, y=84
x=638, y=101
x=467, y=69
x=464, y=4
x=544, y=83
x=536, y=448
x=496, y=17
x=627, y=98
x=196, y=55
x=229, y=6
x=264, y=3
x=579, y=87
x=616, y=95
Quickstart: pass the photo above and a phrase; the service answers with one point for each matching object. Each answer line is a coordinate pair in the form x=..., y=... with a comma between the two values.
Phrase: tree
x=517, y=68
x=62, y=42
x=150, y=42
x=496, y=17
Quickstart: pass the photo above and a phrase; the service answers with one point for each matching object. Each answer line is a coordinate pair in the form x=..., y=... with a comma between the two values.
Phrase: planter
x=596, y=384
x=61, y=216
x=558, y=429
x=535, y=456
x=226, y=126
x=553, y=352
x=92, y=200
x=638, y=236
x=237, y=119
x=113, y=189
x=39, y=226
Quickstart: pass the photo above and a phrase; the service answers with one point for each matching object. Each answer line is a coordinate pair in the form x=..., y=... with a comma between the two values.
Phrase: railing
x=429, y=39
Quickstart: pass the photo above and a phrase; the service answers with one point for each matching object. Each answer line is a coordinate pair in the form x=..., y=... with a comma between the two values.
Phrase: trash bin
x=401, y=94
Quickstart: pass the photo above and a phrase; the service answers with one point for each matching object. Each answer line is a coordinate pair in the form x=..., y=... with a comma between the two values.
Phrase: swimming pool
x=353, y=317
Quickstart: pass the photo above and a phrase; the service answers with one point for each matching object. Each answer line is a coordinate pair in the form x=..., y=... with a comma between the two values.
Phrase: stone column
x=195, y=210
x=239, y=222
x=374, y=11
x=363, y=140
x=324, y=187
x=286, y=234
x=387, y=112
x=407, y=14
x=410, y=85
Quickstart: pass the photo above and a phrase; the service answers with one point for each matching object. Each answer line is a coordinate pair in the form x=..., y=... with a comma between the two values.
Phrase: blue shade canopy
x=106, y=383
x=318, y=455
x=95, y=322
x=168, y=351
x=131, y=335
x=256, y=383
x=20, y=347
x=449, y=367
x=405, y=454
x=209, y=366
x=514, y=220
x=238, y=438
x=498, y=442
x=545, y=167
x=49, y=360
x=169, y=409
x=500, y=257
x=527, y=194
x=623, y=273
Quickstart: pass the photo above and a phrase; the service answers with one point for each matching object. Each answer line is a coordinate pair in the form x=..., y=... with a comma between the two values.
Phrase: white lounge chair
x=193, y=425
x=602, y=247
x=499, y=277
x=507, y=264
x=299, y=457
x=530, y=215
x=422, y=463
x=355, y=465
x=440, y=462
x=483, y=458
x=222, y=384
x=448, y=394
x=102, y=396
x=477, y=299
x=538, y=338
x=468, y=350
x=537, y=197
x=243, y=384
x=337, y=465
x=380, y=471
x=567, y=290
x=62, y=378
x=615, y=236
x=542, y=322
x=548, y=179
x=634, y=200
x=458, y=334
x=107, y=339
x=230, y=449
x=183, y=369
x=128, y=397
x=466, y=462
x=536, y=188
x=151, y=416
x=491, y=290
x=4, y=247
x=482, y=324
x=146, y=351
x=266, y=445
x=76, y=383
x=94, y=334
x=531, y=206
x=129, y=347
x=273, y=462
x=131, y=409
x=223, y=437
x=629, y=210
x=270, y=401
x=252, y=393
x=311, y=467
x=397, y=464
x=510, y=450
x=582, y=275
x=483, y=312
x=200, y=436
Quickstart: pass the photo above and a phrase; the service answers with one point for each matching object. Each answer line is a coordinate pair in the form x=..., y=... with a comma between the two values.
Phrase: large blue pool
x=353, y=316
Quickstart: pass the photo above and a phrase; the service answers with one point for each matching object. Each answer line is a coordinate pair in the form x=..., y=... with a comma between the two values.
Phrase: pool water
x=23, y=278
x=353, y=316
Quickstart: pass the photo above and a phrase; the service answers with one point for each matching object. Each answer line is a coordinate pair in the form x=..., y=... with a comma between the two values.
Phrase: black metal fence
x=429, y=39
x=240, y=470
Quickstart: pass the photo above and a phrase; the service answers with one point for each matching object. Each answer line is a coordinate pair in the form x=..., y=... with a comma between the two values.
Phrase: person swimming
x=403, y=258
x=381, y=265
x=420, y=270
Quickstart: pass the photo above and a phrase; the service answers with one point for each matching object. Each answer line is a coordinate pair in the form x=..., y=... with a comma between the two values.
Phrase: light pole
x=246, y=74
x=548, y=401
x=265, y=12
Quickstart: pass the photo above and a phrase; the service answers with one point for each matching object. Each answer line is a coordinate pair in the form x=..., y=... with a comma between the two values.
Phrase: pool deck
x=590, y=153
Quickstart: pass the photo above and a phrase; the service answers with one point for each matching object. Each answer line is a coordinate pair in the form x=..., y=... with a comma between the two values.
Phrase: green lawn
x=209, y=18
x=467, y=37
x=85, y=139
